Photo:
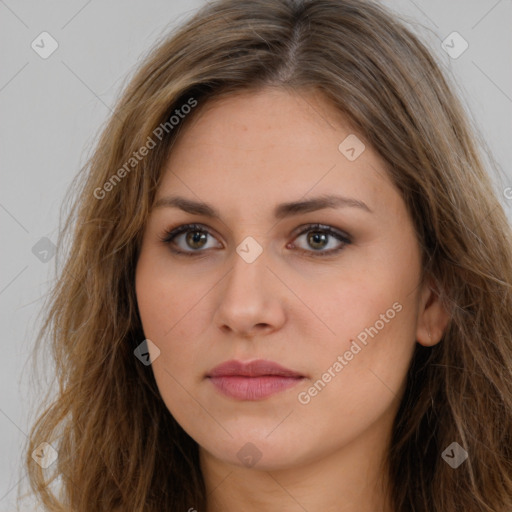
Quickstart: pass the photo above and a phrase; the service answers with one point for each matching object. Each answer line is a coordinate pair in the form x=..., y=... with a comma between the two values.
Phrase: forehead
x=299, y=118
x=270, y=146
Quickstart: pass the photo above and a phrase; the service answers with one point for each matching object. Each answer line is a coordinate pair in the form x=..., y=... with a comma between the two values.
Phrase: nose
x=252, y=300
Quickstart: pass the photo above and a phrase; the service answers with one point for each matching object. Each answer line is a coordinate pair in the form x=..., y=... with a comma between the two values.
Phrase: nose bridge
x=246, y=300
x=249, y=265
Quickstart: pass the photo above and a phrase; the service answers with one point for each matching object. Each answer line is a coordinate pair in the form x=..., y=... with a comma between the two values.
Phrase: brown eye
x=196, y=239
x=188, y=239
x=318, y=238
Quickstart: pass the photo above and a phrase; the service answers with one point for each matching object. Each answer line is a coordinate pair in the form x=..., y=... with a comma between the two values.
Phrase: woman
x=289, y=283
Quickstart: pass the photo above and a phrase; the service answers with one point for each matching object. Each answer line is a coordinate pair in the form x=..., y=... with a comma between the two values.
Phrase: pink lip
x=254, y=380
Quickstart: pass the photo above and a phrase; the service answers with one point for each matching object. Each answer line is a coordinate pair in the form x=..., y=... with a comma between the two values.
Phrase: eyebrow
x=281, y=211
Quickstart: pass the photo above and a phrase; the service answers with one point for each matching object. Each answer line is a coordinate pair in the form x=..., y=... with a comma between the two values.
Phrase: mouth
x=255, y=380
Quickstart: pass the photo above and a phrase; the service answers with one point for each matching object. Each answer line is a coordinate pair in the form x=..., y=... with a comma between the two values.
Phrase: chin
x=258, y=453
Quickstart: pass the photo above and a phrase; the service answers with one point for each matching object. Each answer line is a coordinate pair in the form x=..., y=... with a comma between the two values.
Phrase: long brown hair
x=118, y=445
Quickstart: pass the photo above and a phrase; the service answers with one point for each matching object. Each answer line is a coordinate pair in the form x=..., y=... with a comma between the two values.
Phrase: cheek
x=171, y=321
x=371, y=302
x=373, y=333
x=360, y=371
x=358, y=375
x=174, y=314
x=167, y=298
x=169, y=307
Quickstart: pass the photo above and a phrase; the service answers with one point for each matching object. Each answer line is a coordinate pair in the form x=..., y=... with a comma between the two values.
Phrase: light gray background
x=52, y=110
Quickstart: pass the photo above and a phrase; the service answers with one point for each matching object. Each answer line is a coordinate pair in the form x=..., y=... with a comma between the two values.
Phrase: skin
x=244, y=154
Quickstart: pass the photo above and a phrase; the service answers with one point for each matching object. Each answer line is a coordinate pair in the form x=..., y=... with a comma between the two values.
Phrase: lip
x=253, y=380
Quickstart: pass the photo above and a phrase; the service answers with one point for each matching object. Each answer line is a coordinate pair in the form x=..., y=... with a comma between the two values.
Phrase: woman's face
x=339, y=305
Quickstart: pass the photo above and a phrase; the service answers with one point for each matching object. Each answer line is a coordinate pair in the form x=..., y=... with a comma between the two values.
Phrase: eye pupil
x=317, y=237
x=194, y=237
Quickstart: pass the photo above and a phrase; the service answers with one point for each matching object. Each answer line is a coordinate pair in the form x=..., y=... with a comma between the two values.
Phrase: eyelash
x=169, y=235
